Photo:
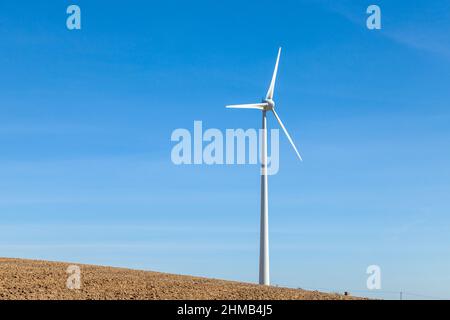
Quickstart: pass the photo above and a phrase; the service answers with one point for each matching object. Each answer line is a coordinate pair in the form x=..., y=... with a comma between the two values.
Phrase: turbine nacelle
x=270, y=104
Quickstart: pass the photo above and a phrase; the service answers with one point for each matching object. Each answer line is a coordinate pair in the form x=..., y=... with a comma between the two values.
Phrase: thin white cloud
x=413, y=34
x=33, y=128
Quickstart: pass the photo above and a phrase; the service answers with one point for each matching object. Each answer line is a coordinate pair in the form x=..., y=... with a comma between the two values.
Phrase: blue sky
x=86, y=118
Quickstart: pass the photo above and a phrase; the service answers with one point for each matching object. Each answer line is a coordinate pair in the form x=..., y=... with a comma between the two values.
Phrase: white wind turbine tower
x=266, y=105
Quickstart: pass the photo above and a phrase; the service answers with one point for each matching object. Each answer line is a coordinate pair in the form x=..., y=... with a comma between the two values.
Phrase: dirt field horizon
x=47, y=280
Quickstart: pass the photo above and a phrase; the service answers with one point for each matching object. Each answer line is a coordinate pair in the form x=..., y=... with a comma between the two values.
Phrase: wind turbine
x=266, y=105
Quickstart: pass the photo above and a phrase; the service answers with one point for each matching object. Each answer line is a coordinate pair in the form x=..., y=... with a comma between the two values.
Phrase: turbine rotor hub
x=270, y=104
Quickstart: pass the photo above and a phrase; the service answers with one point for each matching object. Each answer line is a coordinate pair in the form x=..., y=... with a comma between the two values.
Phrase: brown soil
x=34, y=279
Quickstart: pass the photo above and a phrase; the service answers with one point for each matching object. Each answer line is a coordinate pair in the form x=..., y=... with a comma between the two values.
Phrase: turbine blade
x=274, y=78
x=259, y=106
x=287, y=134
